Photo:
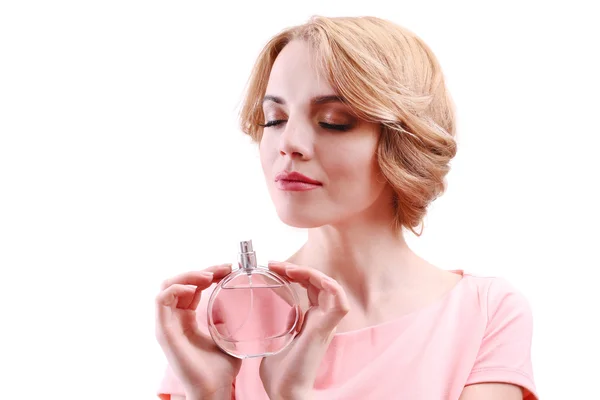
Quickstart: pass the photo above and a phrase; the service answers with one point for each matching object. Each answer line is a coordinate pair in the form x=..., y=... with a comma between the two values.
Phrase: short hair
x=387, y=75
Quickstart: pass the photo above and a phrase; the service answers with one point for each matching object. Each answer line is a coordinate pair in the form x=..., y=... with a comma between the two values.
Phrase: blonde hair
x=387, y=75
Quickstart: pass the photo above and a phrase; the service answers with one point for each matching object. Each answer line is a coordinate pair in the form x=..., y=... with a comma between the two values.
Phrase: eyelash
x=325, y=125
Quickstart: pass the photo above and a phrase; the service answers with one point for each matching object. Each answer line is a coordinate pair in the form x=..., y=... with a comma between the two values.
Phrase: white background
x=121, y=164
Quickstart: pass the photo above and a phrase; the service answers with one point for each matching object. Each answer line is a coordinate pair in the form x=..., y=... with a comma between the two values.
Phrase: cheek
x=352, y=165
x=267, y=154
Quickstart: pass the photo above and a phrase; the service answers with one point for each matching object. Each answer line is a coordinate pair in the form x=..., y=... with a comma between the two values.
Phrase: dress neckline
x=405, y=318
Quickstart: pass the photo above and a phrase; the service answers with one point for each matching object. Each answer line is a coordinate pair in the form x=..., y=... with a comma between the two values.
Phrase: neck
x=367, y=256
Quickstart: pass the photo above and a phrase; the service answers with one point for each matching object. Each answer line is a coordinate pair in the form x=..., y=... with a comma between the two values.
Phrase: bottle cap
x=246, y=246
x=247, y=255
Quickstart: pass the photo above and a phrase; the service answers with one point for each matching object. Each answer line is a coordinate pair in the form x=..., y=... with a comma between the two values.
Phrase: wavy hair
x=387, y=75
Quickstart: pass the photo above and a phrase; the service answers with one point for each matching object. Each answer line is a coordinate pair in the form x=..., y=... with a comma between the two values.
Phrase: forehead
x=295, y=75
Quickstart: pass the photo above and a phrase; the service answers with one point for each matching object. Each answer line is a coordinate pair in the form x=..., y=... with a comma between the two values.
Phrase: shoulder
x=501, y=301
x=504, y=353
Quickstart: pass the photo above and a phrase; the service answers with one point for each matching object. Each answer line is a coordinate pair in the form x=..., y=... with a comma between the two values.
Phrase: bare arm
x=492, y=391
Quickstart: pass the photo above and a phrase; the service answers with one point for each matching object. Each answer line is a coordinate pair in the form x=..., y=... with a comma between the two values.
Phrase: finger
x=174, y=295
x=340, y=305
x=306, y=276
x=312, y=280
x=334, y=304
x=277, y=267
x=202, y=278
x=196, y=299
x=219, y=272
x=313, y=338
x=298, y=274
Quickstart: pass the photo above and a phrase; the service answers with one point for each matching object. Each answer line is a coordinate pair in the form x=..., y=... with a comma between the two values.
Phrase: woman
x=358, y=108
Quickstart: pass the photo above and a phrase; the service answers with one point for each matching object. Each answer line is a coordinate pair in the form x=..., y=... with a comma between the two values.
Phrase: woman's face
x=317, y=136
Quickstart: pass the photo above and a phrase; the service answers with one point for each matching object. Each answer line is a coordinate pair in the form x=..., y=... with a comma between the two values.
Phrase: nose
x=297, y=141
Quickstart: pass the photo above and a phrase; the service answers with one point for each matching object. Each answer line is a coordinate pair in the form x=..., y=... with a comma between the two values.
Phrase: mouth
x=296, y=182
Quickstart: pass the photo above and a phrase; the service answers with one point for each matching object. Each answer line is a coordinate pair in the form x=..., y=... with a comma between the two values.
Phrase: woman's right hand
x=203, y=369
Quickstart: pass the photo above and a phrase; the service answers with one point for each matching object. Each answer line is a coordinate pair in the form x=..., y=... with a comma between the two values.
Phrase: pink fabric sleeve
x=505, y=352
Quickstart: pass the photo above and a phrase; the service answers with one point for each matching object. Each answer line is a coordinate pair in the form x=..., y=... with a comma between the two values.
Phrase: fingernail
x=275, y=263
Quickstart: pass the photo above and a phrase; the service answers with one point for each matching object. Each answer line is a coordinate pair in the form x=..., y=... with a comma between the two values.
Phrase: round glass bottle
x=253, y=312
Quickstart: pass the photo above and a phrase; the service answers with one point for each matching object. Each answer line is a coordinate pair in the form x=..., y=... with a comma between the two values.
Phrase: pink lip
x=295, y=182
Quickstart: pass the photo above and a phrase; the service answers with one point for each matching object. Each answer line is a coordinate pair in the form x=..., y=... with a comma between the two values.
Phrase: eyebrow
x=314, y=101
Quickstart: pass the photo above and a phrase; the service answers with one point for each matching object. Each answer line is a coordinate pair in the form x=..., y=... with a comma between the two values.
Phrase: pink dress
x=478, y=332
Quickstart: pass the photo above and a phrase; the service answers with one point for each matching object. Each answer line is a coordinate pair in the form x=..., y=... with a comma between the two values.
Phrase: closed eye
x=325, y=125
x=333, y=127
x=272, y=123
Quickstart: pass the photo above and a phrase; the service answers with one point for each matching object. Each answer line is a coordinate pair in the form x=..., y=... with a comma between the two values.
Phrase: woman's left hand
x=291, y=374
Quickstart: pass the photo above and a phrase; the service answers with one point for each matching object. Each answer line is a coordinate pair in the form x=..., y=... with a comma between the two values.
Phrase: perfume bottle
x=253, y=312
